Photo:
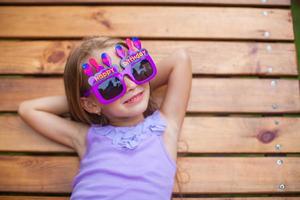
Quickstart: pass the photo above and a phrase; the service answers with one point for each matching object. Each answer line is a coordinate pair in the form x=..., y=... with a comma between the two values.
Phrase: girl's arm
x=42, y=115
x=176, y=72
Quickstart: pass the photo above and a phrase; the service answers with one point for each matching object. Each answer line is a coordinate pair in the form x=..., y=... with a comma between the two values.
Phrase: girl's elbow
x=23, y=108
x=184, y=55
x=184, y=59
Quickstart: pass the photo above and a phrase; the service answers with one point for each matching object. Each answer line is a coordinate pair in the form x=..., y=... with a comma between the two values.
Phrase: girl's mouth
x=135, y=99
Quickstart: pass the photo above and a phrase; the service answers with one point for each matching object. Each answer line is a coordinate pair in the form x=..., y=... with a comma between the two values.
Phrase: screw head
x=281, y=186
x=270, y=69
x=276, y=122
x=279, y=162
x=274, y=106
x=269, y=47
x=266, y=34
x=265, y=13
x=264, y=1
x=273, y=83
x=278, y=146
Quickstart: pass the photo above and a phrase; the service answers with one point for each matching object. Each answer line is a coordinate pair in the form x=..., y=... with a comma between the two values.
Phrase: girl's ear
x=89, y=105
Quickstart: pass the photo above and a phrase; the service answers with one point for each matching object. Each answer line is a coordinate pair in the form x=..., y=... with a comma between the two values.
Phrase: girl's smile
x=135, y=99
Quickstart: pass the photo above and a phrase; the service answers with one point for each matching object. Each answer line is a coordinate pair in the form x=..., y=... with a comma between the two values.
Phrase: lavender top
x=127, y=162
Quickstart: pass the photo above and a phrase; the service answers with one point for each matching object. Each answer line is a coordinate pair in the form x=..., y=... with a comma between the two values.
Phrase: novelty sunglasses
x=108, y=84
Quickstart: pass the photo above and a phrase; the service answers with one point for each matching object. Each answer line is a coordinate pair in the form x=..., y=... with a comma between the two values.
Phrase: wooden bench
x=240, y=138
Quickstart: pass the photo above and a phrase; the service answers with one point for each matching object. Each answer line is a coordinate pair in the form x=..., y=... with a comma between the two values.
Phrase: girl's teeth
x=133, y=99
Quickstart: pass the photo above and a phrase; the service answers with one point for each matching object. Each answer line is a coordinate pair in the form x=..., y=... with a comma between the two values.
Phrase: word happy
x=104, y=74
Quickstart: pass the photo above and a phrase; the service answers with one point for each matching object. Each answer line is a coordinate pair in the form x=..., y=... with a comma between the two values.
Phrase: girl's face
x=119, y=109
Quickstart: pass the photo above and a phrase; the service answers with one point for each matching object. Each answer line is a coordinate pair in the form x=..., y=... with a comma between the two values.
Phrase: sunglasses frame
x=120, y=75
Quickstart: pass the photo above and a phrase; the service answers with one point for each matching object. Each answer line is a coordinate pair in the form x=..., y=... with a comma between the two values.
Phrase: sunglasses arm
x=87, y=92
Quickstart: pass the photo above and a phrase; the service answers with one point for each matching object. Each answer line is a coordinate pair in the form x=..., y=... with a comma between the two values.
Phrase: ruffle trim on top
x=131, y=136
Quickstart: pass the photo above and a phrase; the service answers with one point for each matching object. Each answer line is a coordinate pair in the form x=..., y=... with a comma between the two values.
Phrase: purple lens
x=142, y=70
x=110, y=88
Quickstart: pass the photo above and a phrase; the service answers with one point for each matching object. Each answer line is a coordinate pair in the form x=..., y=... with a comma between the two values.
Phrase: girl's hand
x=176, y=72
x=42, y=115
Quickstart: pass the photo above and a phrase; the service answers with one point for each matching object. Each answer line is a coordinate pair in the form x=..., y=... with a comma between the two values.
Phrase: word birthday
x=133, y=58
x=104, y=74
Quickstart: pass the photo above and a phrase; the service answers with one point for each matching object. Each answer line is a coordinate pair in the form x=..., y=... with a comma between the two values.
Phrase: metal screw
x=270, y=69
x=266, y=34
x=265, y=13
x=274, y=106
x=277, y=146
x=281, y=186
x=264, y=1
x=269, y=47
x=273, y=83
x=279, y=162
x=276, y=122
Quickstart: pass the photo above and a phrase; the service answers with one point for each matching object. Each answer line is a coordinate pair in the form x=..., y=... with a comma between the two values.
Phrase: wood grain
x=141, y=21
x=223, y=37
x=174, y=198
x=224, y=134
x=200, y=2
x=197, y=174
x=210, y=95
x=208, y=57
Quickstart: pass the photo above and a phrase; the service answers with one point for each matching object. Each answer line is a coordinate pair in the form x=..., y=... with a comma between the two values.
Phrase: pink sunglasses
x=108, y=84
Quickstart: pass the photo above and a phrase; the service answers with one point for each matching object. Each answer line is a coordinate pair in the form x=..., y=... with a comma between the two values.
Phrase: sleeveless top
x=126, y=163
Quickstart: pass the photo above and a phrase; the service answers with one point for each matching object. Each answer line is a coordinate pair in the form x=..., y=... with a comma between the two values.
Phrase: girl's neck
x=127, y=121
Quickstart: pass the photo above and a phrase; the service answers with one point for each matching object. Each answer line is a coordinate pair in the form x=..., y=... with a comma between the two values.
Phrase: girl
x=127, y=147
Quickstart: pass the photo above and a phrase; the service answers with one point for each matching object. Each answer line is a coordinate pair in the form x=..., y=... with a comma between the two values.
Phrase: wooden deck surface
x=240, y=138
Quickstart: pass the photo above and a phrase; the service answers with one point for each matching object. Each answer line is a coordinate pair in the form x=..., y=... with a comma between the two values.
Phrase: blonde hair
x=75, y=82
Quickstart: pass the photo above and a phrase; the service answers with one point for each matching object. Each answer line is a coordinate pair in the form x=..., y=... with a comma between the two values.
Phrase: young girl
x=127, y=145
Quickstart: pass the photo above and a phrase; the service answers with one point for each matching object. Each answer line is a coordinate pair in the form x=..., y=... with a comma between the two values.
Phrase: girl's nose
x=129, y=83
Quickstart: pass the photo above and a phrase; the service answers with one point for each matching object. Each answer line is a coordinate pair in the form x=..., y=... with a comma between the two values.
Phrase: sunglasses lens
x=142, y=70
x=110, y=88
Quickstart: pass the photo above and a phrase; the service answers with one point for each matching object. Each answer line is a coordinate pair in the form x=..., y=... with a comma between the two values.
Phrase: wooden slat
x=200, y=198
x=15, y=135
x=258, y=135
x=174, y=198
x=37, y=174
x=218, y=58
x=197, y=175
x=17, y=90
x=178, y=22
x=239, y=134
x=32, y=198
x=222, y=175
x=200, y=2
x=242, y=95
x=217, y=95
